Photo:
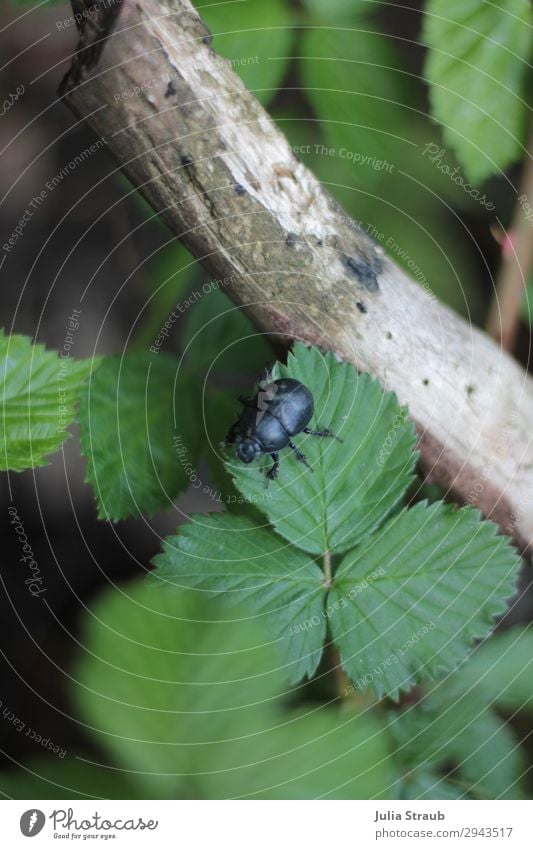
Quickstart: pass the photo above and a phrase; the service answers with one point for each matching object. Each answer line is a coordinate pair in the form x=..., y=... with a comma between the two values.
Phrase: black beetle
x=281, y=409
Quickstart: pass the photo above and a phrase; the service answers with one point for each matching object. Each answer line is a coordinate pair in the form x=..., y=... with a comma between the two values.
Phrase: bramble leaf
x=218, y=336
x=74, y=778
x=131, y=415
x=445, y=733
x=172, y=274
x=406, y=602
x=361, y=93
x=187, y=702
x=425, y=783
x=336, y=11
x=38, y=393
x=409, y=601
x=307, y=756
x=229, y=556
x=255, y=37
x=165, y=676
x=527, y=297
x=501, y=670
x=477, y=67
x=355, y=483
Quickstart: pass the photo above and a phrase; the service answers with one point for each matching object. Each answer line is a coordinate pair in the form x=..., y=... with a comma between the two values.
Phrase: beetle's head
x=247, y=449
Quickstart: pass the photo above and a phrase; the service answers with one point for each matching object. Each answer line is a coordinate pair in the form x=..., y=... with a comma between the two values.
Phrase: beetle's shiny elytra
x=281, y=409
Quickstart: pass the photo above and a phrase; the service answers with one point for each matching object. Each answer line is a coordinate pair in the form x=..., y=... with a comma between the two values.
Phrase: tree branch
x=213, y=164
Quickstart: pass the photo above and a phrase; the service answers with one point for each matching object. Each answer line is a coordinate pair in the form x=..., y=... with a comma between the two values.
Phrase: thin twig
x=517, y=258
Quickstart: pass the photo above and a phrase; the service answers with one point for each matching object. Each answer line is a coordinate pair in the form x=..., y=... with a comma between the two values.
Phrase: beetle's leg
x=247, y=402
x=325, y=432
x=301, y=457
x=230, y=437
x=273, y=472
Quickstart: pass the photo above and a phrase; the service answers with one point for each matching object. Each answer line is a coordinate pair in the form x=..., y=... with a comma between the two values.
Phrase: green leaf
x=171, y=276
x=490, y=759
x=219, y=337
x=187, y=703
x=256, y=38
x=132, y=414
x=439, y=576
x=337, y=11
x=501, y=670
x=165, y=678
x=462, y=734
x=361, y=92
x=38, y=393
x=426, y=784
x=355, y=483
x=476, y=67
x=229, y=556
x=307, y=756
x=428, y=242
x=527, y=301
x=73, y=778
x=215, y=335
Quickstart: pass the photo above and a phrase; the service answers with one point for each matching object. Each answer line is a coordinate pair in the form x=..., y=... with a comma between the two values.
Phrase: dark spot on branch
x=361, y=307
x=171, y=89
x=365, y=272
x=425, y=381
x=470, y=389
x=239, y=190
x=186, y=159
x=388, y=334
x=377, y=260
x=290, y=241
x=207, y=39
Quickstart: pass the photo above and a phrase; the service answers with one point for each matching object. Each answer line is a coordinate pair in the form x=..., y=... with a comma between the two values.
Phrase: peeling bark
x=212, y=163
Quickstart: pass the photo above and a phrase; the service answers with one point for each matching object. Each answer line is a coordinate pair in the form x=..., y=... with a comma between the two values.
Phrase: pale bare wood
x=210, y=160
